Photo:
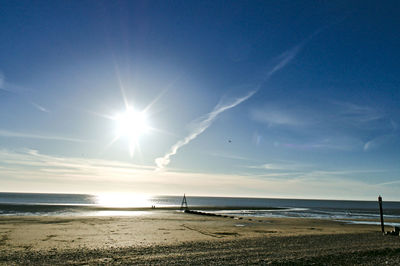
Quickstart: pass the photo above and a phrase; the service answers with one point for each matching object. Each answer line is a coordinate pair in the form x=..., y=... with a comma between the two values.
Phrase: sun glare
x=123, y=200
x=131, y=125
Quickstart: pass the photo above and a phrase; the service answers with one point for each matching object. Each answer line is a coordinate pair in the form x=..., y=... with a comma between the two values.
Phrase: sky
x=284, y=99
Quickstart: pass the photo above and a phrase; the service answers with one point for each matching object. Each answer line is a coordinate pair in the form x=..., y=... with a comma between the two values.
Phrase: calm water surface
x=86, y=204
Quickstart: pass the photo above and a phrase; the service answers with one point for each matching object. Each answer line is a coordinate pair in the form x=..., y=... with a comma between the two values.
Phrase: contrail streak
x=201, y=127
x=284, y=59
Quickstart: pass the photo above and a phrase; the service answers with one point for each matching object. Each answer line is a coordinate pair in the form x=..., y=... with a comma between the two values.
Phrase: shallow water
x=90, y=205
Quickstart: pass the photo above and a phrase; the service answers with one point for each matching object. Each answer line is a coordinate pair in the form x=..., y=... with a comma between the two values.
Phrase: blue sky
x=306, y=91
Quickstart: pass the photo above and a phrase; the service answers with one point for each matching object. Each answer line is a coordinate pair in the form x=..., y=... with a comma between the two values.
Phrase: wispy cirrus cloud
x=13, y=134
x=10, y=87
x=307, y=173
x=358, y=114
x=20, y=92
x=293, y=114
x=329, y=124
x=30, y=157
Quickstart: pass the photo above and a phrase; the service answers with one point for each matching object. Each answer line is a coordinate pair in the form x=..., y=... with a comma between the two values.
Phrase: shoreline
x=170, y=237
x=19, y=206
x=81, y=211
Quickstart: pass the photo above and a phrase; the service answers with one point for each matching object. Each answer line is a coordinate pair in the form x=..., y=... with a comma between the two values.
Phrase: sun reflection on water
x=118, y=213
x=123, y=200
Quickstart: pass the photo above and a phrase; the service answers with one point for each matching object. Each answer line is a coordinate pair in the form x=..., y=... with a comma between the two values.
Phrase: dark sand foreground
x=170, y=237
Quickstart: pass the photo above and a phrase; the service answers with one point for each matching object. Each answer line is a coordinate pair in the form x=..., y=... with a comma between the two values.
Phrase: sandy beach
x=172, y=237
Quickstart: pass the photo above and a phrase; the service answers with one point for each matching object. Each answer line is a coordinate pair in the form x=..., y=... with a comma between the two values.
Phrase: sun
x=131, y=124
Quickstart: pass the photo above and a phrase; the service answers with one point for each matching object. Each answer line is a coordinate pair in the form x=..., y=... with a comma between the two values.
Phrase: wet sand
x=171, y=237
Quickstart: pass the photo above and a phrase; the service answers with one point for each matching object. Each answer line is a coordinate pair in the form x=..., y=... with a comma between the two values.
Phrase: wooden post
x=381, y=212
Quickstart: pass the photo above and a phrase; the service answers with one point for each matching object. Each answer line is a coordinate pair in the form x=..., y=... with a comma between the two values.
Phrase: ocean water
x=125, y=204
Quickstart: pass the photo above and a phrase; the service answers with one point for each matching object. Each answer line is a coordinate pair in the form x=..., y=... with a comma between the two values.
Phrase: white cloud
x=1, y=80
x=40, y=108
x=284, y=165
x=272, y=115
x=229, y=156
x=377, y=142
x=394, y=125
x=32, y=171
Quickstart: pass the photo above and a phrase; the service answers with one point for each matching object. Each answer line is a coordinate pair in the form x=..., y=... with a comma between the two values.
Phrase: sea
x=349, y=211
